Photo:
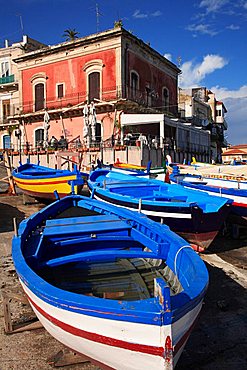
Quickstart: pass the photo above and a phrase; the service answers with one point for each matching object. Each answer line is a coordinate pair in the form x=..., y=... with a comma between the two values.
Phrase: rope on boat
x=176, y=255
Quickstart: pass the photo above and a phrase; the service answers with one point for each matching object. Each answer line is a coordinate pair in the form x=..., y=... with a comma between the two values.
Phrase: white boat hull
x=117, y=344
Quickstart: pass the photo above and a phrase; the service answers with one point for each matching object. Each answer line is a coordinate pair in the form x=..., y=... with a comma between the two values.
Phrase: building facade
x=81, y=89
x=114, y=69
x=200, y=107
x=9, y=89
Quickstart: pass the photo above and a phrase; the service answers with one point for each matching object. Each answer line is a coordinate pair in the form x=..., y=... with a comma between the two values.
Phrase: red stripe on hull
x=38, y=195
x=239, y=204
x=62, y=181
x=156, y=351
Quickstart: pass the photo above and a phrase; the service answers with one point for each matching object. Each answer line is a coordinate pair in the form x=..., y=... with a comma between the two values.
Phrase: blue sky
x=207, y=38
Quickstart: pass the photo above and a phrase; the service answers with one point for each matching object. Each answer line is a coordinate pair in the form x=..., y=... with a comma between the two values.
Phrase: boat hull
x=42, y=182
x=112, y=350
x=109, y=283
x=45, y=188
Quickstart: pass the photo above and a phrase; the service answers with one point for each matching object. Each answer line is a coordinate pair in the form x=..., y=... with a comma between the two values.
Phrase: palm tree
x=71, y=34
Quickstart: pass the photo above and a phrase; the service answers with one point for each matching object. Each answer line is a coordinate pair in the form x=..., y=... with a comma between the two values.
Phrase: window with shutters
x=94, y=71
x=134, y=84
x=39, y=137
x=6, y=108
x=94, y=86
x=165, y=98
x=39, y=96
x=4, y=69
x=60, y=91
x=6, y=142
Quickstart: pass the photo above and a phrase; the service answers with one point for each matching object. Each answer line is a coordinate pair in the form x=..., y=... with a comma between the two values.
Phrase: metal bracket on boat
x=140, y=205
x=56, y=195
x=75, y=182
x=92, y=194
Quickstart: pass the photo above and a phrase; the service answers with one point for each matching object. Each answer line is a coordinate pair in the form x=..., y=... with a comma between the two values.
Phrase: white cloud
x=193, y=74
x=236, y=105
x=233, y=27
x=212, y=6
x=137, y=14
x=224, y=93
x=168, y=56
x=201, y=28
x=157, y=13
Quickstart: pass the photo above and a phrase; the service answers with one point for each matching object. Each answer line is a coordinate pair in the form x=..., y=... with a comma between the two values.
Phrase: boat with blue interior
x=195, y=216
x=43, y=182
x=109, y=283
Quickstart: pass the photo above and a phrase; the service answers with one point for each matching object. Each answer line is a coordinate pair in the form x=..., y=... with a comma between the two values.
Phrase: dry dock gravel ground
x=217, y=342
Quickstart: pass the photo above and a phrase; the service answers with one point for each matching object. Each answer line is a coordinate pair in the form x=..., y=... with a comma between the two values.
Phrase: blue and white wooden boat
x=110, y=283
x=196, y=217
x=134, y=170
x=43, y=182
x=221, y=185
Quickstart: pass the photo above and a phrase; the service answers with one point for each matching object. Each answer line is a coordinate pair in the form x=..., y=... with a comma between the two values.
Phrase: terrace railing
x=112, y=93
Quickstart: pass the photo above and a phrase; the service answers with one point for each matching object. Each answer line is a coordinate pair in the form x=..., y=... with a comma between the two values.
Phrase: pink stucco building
x=114, y=68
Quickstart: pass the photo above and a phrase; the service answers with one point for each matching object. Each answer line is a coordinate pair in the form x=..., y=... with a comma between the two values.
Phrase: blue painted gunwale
x=31, y=171
x=191, y=269
x=117, y=181
x=237, y=207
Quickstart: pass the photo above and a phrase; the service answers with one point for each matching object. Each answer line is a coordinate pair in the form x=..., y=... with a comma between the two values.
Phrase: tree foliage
x=71, y=34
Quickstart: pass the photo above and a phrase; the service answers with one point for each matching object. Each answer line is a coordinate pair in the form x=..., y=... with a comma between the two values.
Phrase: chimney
x=24, y=39
x=6, y=43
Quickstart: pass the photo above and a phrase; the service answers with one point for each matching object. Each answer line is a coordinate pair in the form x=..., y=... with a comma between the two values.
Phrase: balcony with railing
x=7, y=79
x=107, y=95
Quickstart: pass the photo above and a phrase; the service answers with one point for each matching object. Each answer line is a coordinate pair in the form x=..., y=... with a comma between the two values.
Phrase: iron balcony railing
x=141, y=97
x=7, y=79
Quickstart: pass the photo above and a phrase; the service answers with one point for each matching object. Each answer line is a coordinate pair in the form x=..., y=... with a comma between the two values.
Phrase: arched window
x=94, y=70
x=94, y=86
x=38, y=80
x=39, y=96
x=134, y=84
x=39, y=137
x=165, y=98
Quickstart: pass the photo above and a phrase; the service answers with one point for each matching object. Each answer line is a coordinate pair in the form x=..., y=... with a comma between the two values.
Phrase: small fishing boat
x=132, y=169
x=41, y=182
x=128, y=166
x=196, y=217
x=221, y=185
x=110, y=283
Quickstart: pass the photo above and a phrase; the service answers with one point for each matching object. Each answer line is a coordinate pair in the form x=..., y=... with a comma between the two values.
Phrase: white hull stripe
x=158, y=351
x=237, y=201
x=147, y=349
x=150, y=213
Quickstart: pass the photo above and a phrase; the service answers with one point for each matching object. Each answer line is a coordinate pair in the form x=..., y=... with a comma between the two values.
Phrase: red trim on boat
x=35, y=182
x=41, y=195
x=152, y=350
x=239, y=204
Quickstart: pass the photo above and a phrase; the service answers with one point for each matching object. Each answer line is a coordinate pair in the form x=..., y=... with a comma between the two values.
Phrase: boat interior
x=99, y=255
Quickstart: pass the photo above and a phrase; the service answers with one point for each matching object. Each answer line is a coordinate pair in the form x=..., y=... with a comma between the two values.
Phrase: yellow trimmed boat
x=43, y=182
